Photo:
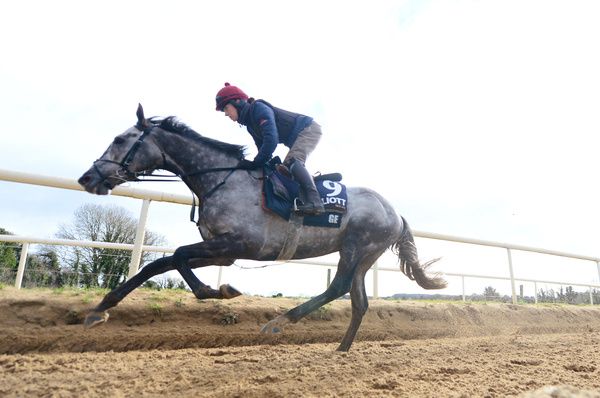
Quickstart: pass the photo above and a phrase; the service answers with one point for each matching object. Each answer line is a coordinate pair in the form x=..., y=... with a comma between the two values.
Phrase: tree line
x=57, y=266
x=565, y=295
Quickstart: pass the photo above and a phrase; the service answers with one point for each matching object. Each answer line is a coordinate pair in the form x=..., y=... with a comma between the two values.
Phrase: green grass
x=322, y=313
x=96, y=291
x=73, y=291
x=156, y=309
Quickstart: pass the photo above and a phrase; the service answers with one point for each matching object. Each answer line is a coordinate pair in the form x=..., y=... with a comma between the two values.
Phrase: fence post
x=598, y=265
x=219, y=276
x=136, y=253
x=591, y=297
x=512, y=277
x=535, y=292
x=22, y=262
x=463, y=288
x=376, y=280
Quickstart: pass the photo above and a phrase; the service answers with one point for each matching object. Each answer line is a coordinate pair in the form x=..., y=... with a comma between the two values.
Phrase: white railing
x=509, y=248
x=147, y=196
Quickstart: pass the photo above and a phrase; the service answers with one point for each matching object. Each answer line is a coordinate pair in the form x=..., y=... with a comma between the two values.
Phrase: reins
x=171, y=177
x=199, y=172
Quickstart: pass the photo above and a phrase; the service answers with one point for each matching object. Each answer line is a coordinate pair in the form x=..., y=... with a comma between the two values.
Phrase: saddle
x=280, y=192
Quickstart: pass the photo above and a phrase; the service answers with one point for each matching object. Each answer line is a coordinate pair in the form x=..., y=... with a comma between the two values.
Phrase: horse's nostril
x=84, y=180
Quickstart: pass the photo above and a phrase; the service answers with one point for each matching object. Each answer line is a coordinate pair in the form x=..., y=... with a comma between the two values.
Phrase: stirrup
x=314, y=211
x=296, y=202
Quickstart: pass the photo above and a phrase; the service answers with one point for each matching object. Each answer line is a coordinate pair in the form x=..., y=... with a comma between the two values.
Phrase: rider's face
x=231, y=112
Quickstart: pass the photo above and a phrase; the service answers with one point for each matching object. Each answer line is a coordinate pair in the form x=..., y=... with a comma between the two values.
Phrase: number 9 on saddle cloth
x=280, y=191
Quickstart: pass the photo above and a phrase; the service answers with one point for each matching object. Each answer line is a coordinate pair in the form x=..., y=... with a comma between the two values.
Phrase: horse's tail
x=406, y=250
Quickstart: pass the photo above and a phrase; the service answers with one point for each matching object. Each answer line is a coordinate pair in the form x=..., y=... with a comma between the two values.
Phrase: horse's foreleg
x=221, y=250
x=201, y=290
x=99, y=314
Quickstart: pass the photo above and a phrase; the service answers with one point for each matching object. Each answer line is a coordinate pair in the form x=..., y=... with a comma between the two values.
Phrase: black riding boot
x=313, y=205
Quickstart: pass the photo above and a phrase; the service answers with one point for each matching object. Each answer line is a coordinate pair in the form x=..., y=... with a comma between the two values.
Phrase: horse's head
x=131, y=152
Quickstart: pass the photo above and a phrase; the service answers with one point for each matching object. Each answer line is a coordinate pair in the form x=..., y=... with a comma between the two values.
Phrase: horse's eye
x=118, y=140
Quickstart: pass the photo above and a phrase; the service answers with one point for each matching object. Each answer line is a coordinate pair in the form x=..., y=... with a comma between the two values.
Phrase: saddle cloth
x=279, y=192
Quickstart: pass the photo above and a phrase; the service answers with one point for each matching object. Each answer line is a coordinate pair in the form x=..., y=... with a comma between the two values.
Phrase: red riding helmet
x=227, y=94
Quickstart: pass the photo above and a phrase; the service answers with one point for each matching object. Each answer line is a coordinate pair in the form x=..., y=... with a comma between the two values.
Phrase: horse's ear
x=142, y=122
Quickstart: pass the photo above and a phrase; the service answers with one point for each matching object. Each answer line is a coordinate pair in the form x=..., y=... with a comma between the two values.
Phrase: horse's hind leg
x=349, y=277
x=360, y=303
x=340, y=285
x=99, y=314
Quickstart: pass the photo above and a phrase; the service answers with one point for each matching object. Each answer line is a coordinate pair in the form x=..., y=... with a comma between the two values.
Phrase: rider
x=270, y=126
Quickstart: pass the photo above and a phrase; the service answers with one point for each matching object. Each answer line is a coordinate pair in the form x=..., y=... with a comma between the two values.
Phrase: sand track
x=168, y=343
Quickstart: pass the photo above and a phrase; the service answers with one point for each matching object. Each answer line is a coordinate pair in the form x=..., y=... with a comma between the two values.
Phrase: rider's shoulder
x=261, y=106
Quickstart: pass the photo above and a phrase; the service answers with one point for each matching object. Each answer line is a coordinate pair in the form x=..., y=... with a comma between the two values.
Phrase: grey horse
x=233, y=224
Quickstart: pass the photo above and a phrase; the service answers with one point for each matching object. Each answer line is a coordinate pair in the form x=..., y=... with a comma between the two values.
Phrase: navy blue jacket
x=270, y=126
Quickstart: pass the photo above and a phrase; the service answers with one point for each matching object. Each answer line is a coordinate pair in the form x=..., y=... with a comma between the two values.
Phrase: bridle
x=123, y=172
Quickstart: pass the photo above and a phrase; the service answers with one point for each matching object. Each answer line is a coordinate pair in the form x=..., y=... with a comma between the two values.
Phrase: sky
x=474, y=118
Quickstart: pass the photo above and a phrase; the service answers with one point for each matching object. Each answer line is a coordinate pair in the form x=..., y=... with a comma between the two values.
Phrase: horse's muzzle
x=92, y=183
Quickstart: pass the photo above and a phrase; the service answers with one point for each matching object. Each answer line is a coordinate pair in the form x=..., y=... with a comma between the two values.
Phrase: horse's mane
x=173, y=125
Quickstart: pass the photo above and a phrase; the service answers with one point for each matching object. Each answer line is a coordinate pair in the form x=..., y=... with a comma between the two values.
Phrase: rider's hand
x=246, y=164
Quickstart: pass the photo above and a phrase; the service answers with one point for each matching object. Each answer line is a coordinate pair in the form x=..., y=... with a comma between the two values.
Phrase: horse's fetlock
x=206, y=292
x=109, y=301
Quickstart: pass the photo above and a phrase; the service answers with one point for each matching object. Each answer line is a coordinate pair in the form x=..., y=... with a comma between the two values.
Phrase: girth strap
x=292, y=237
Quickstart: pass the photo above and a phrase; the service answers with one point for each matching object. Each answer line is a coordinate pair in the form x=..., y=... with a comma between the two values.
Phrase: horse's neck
x=186, y=157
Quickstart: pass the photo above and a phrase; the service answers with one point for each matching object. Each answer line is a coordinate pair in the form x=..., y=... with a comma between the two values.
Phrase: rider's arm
x=265, y=121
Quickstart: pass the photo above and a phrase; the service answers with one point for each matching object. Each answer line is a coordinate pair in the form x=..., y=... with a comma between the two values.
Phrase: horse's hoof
x=95, y=318
x=267, y=329
x=229, y=292
x=274, y=326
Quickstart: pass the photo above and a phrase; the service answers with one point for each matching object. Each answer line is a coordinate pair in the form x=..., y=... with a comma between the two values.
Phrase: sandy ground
x=169, y=344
